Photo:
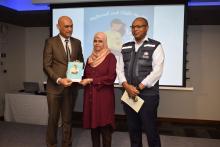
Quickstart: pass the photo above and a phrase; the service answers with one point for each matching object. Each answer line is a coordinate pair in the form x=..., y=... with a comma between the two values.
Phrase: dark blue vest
x=137, y=65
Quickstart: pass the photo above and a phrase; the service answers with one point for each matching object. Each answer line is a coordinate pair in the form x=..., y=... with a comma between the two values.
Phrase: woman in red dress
x=99, y=98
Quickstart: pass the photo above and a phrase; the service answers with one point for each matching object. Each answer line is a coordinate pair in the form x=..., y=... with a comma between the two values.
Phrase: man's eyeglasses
x=138, y=26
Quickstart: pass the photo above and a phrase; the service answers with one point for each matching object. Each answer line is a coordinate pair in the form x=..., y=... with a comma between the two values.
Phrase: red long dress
x=99, y=97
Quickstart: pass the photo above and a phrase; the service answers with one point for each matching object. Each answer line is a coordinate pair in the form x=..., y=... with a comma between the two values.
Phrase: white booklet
x=75, y=71
x=136, y=105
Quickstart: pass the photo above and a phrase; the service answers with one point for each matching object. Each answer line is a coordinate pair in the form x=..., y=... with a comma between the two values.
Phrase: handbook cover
x=75, y=71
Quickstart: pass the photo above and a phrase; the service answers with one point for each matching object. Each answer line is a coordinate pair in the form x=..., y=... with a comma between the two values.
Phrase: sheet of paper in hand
x=135, y=105
x=75, y=71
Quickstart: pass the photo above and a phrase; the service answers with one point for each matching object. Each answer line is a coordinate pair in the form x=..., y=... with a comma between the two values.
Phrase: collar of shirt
x=137, y=45
x=64, y=43
x=63, y=39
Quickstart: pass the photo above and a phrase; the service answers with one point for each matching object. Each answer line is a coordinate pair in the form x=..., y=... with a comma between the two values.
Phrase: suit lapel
x=74, y=49
x=60, y=47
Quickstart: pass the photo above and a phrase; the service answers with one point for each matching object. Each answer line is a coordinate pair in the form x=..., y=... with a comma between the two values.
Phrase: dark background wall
x=196, y=15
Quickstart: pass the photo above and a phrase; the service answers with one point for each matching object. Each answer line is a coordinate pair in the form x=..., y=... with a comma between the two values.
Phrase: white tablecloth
x=26, y=108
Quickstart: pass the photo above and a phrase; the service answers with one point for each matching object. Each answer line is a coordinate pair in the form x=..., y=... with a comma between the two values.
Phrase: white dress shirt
x=64, y=43
x=157, y=65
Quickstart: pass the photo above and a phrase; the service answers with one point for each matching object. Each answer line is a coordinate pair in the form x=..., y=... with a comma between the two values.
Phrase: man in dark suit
x=58, y=51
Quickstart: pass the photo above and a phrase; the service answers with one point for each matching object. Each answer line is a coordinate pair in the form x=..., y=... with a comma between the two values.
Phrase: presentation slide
x=166, y=24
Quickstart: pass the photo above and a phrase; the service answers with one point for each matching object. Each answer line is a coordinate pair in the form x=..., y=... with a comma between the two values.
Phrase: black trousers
x=105, y=132
x=144, y=120
x=60, y=104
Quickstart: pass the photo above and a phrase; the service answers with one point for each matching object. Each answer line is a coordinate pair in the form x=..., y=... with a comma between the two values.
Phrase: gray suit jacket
x=55, y=61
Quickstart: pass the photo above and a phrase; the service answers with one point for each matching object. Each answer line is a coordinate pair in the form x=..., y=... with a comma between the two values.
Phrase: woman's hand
x=85, y=82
